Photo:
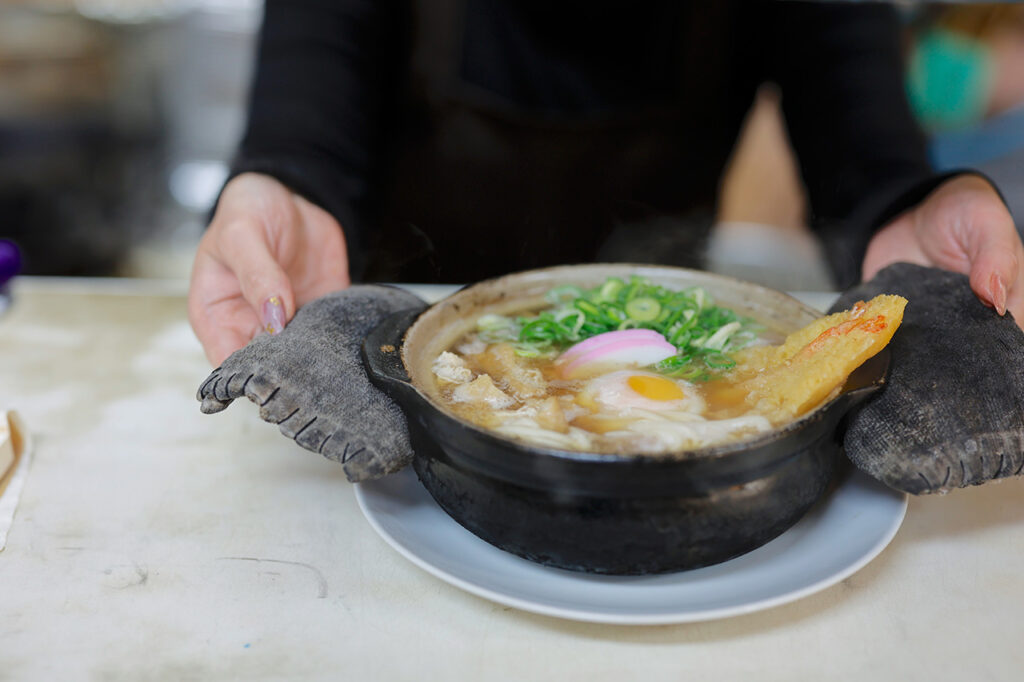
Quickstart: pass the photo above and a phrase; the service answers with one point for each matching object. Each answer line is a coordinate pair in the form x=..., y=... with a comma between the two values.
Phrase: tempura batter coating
x=815, y=361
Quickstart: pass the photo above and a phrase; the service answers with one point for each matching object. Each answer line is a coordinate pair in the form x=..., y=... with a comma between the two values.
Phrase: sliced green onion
x=691, y=373
x=681, y=338
x=540, y=330
x=588, y=308
x=633, y=288
x=611, y=288
x=700, y=297
x=703, y=333
x=643, y=309
x=492, y=322
x=614, y=313
x=719, y=361
x=531, y=351
x=719, y=338
x=574, y=327
x=740, y=339
x=674, y=363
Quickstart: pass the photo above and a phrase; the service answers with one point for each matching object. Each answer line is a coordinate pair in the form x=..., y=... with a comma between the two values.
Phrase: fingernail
x=273, y=315
x=998, y=292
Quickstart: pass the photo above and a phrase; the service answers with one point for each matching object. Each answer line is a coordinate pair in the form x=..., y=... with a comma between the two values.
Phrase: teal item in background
x=949, y=80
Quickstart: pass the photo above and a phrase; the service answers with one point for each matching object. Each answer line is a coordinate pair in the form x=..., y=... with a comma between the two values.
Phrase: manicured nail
x=998, y=292
x=273, y=315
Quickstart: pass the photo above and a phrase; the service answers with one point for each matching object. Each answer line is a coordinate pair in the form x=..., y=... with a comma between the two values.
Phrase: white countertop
x=154, y=542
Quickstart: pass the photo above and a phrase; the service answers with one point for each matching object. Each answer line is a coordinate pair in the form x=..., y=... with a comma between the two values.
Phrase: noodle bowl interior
x=629, y=367
x=612, y=399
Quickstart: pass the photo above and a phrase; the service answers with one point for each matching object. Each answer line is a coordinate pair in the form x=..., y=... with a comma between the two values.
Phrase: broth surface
x=630, y=391
x=491, y=384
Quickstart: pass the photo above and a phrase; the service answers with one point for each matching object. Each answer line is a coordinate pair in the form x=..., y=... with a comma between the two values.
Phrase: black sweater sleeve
x=324, y=79
x=862, y=157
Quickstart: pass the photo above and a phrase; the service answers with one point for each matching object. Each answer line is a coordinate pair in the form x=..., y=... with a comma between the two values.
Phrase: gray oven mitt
x=310, y=381
x=952, y=412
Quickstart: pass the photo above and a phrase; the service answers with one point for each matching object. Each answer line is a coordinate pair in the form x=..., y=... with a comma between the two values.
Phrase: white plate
x=836, y=538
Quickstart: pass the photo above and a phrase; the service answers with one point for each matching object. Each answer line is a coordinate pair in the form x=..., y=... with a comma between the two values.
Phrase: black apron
x=478, y=188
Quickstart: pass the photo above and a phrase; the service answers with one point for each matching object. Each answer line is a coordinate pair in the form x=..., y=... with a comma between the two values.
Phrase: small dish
x=850, y=526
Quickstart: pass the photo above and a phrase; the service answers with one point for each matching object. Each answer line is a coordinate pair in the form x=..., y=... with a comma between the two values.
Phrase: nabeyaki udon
x=675, y=372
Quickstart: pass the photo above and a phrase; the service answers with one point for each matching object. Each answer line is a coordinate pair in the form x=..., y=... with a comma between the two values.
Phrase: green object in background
x=949, y=80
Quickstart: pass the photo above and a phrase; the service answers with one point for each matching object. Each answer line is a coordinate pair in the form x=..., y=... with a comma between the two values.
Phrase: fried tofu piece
x=814, y=362
x=500, y=360
x=550, y=415
x=482, y=390
x=451, y=368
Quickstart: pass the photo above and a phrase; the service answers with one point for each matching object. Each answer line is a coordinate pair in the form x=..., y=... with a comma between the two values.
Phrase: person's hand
x=266, y=253
x=961, y=226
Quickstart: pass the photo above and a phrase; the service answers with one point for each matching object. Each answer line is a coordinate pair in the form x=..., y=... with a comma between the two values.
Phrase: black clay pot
x=602, y=513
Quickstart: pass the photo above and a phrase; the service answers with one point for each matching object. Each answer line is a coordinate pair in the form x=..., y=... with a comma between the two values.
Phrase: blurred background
x=118, y=119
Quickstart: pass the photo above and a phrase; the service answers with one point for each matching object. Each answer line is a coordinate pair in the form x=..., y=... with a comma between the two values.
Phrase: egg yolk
x=655, y=388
